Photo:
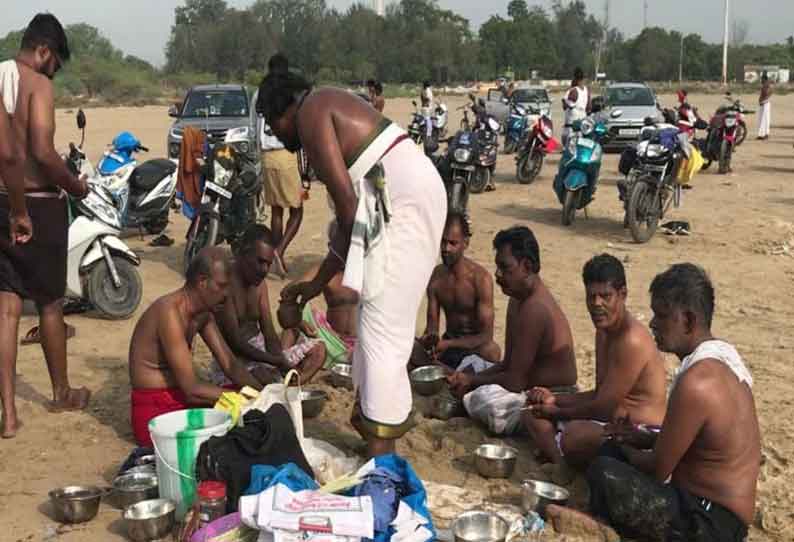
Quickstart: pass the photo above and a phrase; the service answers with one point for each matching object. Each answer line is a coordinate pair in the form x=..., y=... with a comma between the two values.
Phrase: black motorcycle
x=228, y=205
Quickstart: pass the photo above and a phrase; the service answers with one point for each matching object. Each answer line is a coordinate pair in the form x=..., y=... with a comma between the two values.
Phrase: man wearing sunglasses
x=34, y=267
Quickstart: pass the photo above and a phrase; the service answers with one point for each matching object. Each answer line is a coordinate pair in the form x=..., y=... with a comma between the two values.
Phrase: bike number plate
x=219, y=190
x=630, y=132
x=464, y=168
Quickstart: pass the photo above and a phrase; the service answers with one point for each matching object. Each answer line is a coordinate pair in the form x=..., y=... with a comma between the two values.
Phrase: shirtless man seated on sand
x=161, y=366
x=246, y=320
x=630, y=376
x=538, y=340
x=463, y=289
x=698, y=483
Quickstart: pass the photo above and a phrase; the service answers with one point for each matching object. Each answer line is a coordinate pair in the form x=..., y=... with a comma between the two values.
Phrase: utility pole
x=645, y=16
x=602, y=46
x=681, y=61
x=725, y=46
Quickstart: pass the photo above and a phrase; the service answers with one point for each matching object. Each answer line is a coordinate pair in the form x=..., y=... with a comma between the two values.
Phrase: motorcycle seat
x=147, y=175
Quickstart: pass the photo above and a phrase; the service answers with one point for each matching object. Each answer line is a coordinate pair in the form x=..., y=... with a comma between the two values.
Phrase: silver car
x=637, y=101
x=215, y=109
x=523, y=95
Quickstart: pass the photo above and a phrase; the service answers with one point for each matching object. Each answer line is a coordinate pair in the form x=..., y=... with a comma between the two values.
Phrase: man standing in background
x=765, y=103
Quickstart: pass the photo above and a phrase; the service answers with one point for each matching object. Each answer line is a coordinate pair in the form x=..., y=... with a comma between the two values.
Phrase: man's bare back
x=724, y=461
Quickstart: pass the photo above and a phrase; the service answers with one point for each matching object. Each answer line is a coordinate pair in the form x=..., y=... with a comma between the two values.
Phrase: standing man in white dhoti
x=575, y=103
x=765, y=103
x=390, y=209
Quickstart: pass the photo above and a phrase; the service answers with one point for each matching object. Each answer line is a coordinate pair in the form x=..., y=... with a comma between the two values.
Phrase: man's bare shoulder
x=439, y=273
x=636, y=341
x=702, y=384
x=32, y=81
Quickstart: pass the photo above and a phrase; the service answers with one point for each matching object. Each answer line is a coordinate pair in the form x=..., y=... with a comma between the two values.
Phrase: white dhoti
x=764, y=119
x=387, y=319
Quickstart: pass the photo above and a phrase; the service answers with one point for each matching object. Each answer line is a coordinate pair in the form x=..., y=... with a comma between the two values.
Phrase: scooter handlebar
x=143, y=149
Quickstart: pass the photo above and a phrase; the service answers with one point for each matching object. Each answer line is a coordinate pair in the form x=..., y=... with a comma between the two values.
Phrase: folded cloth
x=338, y=348
x=721, y=351
x=265, y=439
x=387, y=321
x=9, y=85
x=146, y=404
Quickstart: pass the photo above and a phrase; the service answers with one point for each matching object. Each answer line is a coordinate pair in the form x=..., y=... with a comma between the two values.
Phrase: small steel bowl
x=444, y=407
x=150, y=520
x=428, y=380
x=536, y=495
x=479, y=526
x=76, y=504
x=495, y=460
x=312, y=402
x=342, y=376
x=131, y=488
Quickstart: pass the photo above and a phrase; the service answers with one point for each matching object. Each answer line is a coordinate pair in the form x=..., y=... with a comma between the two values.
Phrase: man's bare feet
x=10, y=428
x=74, y=399
x=574, y=523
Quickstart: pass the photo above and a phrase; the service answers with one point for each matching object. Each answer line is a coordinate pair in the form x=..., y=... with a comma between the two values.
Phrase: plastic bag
x=497, y=408
x=328, y=462
x=688, y=168
x=282, y=393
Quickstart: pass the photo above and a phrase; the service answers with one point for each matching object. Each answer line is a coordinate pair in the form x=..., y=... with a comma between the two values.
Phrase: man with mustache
x=630, y=375
x=464, y=290
x=538, y=340
x=696, y=480
x=246, y=320
x=162, y=376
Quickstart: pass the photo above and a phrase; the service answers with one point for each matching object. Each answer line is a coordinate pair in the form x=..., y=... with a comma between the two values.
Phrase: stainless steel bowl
x=479, y=526
x=536, y=495
x=75, y=504
x=342, y=376
x=145, y=469
x=312, y=402
x=150, y=520
x=131, y=488
x=428, y=380
x=445, y=407
x=495, y=460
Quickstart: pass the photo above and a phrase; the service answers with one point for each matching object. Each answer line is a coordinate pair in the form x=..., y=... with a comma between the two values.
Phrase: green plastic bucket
x=177, y=437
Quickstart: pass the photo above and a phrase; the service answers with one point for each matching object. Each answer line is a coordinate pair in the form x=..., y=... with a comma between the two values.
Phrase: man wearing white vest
x=575, y=103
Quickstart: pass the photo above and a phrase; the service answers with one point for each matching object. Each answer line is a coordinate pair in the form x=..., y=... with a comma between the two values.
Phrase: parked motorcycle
x=228, y=204
x=101, y=268
x=533, y=148
x=577, y=176
x=650, y=187
x=516, y=127
x=417, y=128
x=143, y=192
x=741, y=111
x=720, y=141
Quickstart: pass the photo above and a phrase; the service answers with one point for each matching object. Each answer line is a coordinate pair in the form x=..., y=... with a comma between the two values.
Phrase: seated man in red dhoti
x=161, y=363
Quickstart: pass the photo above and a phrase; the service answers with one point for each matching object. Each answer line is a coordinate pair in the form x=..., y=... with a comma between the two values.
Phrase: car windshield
x=216, y=103
x=624, y=96
x=525, y=95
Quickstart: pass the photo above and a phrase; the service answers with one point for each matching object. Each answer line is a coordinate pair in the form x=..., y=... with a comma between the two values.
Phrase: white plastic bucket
x=177, y=437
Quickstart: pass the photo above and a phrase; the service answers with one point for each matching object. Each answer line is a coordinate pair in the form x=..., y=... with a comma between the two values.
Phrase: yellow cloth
x=280, y=180
x=232, y=403
x=688, y=168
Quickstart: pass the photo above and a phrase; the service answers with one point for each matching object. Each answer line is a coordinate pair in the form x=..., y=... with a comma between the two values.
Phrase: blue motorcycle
x=577, y=177
x=517, y=127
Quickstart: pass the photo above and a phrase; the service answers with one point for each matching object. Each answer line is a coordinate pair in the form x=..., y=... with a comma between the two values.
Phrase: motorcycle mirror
x=80, y=119
x=413, y=102
x=173, y=111
x=616, y=113
x=481, y=101
x=649, y=121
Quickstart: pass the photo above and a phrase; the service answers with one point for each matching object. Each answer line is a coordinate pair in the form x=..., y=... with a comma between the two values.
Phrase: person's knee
x=10, y=306
x=54, y=309
x=491, y=352
x=579, y=438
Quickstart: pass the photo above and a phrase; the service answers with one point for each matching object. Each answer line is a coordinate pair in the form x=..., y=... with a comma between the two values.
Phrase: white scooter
x=101, y=269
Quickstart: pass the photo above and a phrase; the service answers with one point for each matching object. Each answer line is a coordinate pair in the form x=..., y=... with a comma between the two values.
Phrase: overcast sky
x=142, y=27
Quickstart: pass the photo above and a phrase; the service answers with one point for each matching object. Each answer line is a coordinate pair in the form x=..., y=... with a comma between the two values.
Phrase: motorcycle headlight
x=587, y=127
x=243, y=147
x=462, y=155
x=99, y=206
x=546, y=129
x=654, y=150
x=730, y=122
x=222, y=175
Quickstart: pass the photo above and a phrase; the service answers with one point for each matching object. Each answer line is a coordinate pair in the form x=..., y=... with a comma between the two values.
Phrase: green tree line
x=416, y=40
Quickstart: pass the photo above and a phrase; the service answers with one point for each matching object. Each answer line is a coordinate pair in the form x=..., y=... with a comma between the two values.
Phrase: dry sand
x=743, y=234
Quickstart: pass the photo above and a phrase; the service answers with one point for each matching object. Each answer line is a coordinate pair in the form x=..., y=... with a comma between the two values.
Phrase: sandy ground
x=743, y=235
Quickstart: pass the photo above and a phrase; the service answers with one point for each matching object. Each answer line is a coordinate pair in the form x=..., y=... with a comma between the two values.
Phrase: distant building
x=753, y=72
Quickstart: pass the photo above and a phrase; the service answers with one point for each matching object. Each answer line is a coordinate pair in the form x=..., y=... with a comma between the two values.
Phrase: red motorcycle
x=737, y=107
x=721, y=137
x=538, y=141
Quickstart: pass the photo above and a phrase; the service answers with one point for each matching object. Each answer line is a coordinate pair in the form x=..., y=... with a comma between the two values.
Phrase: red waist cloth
x=146, y=404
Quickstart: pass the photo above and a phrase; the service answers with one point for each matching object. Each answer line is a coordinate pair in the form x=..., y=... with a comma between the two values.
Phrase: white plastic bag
x=283, y=394
x=497, y=408
x=327, y=461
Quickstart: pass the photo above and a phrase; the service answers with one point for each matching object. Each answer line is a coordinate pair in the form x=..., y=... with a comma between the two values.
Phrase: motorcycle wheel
x=569, y=207
x=458, y=198
x=529, y=167
x=726, y=150
x=111, y=302
x=204, y=233
x=642, y=212
x=480, y=180
x=741, y=134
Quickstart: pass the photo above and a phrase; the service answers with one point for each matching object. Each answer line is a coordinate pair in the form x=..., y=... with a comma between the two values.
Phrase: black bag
x=627, y=160
x=264, y=439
